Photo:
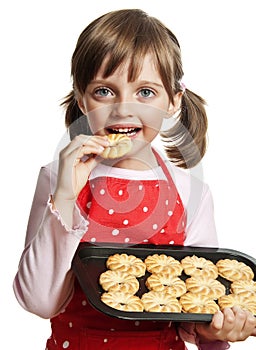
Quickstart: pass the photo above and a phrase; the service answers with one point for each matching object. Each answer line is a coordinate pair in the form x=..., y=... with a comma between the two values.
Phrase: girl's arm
x=44, y=282
x=201, y=229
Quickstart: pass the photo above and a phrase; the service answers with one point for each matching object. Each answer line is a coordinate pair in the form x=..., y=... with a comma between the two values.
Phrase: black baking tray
x=90, y=261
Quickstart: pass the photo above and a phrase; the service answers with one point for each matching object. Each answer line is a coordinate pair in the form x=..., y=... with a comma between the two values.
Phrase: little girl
x=127, y=73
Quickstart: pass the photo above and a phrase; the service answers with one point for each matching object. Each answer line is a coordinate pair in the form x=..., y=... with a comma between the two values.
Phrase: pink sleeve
x=198, y=202
x=44, y=282
x=201, y=230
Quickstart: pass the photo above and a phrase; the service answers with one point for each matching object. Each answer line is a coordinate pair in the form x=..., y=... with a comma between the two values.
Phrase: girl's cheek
x=153, y=121
x=97, y=120
x=96, y=128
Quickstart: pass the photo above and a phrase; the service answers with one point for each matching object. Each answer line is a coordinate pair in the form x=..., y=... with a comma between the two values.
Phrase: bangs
x=114, y=40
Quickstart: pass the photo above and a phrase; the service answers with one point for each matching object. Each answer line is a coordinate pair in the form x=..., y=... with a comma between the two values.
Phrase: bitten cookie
x=120, y=144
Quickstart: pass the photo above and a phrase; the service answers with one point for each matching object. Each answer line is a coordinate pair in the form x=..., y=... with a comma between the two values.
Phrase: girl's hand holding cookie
x=76, y=161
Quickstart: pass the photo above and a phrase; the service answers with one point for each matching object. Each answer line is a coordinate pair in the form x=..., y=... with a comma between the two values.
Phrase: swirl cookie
x=234, y=270
x=120, y=144
x=197, y=303
x=198, y=266
x=244, y=288
x=160, y=302
x=231, y=300
x=162, y=263
x=118, y=281
x=126, y=263
x=165, y=282
x=205, y=286
x=122, y=301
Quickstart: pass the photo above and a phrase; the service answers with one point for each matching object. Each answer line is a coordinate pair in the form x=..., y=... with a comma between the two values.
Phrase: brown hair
x=132, y=33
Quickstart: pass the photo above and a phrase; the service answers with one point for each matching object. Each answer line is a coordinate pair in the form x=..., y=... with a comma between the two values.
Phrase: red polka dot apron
x=122, y=211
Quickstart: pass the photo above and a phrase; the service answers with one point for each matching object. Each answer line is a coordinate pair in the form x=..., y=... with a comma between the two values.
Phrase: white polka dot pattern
x=133, y=211
x=115, y=232
x=65, y=345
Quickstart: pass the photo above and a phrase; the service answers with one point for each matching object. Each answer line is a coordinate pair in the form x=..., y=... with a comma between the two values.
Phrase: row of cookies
x=168, y=292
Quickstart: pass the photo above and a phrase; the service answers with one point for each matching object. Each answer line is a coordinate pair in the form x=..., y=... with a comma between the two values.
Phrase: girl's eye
x=103, y=92
x=146, y=93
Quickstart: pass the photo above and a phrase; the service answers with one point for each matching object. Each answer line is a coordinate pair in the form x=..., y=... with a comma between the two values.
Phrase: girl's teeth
x=127, y=131
x=131, y=133
x=124, y=130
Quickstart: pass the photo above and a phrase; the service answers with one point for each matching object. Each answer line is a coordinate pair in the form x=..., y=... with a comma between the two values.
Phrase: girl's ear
x=173, y=108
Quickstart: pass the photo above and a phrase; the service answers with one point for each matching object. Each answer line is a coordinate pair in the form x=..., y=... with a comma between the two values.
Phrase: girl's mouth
x=128, y=131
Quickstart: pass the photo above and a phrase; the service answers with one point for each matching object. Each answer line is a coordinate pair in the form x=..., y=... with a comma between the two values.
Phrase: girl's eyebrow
x=140, y=82
x=97, y=82
x=149, y=82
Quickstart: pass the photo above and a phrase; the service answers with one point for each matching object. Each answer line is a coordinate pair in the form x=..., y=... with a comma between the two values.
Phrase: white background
x=37, y=41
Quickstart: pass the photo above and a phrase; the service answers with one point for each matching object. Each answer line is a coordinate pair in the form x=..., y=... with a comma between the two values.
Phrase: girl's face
x=135, y=108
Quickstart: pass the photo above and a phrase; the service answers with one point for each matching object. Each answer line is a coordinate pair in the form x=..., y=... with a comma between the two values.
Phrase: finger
x=88, y=150
x=243, y=326
x=101, y=140
x=240, y=319
x=217, y=321
x=84, y=140
x=247, y=315
x=89, y=146
x=98, y=140
x=92, y=162
x=92, y=155
x=249, y=323
x=229, y=320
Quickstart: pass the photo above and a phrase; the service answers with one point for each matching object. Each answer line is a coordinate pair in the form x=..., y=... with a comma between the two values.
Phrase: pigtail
x=73, y=111
x=185, y=142
x=75, y=121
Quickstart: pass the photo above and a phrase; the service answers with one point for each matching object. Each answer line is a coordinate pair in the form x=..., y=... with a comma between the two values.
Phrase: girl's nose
x=123, y=109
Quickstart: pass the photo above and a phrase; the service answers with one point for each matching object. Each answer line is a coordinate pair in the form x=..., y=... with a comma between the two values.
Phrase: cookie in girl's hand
x=120, y=144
